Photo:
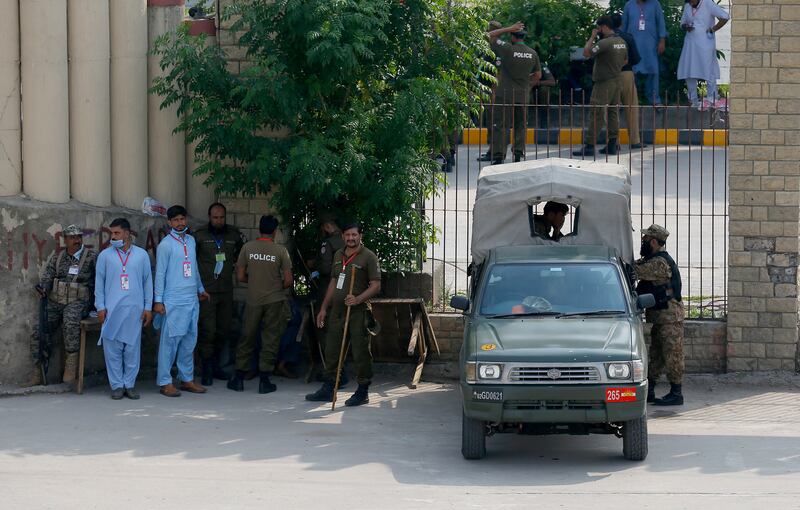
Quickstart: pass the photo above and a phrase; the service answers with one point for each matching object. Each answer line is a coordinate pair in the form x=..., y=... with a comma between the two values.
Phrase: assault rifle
x=43, y=356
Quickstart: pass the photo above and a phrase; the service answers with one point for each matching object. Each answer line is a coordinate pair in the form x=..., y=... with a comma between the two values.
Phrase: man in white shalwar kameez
x=699, y=55
x=123, y=297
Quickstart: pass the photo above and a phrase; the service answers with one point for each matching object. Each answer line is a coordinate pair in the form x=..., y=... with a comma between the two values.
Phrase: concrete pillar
x=167, y=150
x=198, y=195
x=10, y=127
x=45, y=92
x=129, y=84
x=89, y=101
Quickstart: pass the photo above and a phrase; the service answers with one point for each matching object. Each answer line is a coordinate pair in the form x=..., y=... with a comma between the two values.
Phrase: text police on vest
x=519, y=54
x=261, y=256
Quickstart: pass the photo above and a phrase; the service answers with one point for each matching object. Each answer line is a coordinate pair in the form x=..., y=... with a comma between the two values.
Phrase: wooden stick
x=344, y=339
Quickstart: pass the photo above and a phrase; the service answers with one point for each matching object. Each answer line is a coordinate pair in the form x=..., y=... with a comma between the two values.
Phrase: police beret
x=72, y=230
x=656, y=232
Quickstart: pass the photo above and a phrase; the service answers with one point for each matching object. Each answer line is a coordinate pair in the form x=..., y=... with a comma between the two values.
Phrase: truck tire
x=473, y=438
x=634, y=439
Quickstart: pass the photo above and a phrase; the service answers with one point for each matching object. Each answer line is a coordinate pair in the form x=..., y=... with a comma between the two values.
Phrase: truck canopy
x=506, y=197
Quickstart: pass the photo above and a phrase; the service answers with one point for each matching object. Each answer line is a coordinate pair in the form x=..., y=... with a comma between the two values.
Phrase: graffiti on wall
x=25, y=249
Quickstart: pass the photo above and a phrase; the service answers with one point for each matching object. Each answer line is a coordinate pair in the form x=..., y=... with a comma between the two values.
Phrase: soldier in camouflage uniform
x=658, y=275
x=67, y=279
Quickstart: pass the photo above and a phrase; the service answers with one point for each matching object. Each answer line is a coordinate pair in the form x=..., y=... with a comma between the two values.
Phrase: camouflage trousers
x=666, y=352
x=69, y=318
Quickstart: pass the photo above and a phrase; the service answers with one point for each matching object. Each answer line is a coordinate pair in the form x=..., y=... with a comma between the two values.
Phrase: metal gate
x=679, y=180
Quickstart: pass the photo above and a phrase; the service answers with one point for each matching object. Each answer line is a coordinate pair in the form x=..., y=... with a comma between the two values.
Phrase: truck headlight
x=490, y=371
x=470, y=371
x=638, y=370
x=618, y=370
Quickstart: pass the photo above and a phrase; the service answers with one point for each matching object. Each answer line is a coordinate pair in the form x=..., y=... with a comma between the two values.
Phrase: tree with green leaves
x=342, y=107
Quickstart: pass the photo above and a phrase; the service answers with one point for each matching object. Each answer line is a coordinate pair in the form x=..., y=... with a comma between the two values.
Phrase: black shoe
x=673, y=398
x=517, y=158
x=485, y=157
x=586, y=150
x=360, y=397
x=117, y=394
x=132, y=394
x=207, y=377
x=449, y=163
x=265, y=385
x=638, y=146
x=236, y=383
x=611, y=148
x=651, y=392
x=497, y=161
x=324, y=394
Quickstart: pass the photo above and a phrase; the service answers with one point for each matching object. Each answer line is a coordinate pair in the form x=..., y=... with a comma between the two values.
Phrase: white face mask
x=117, y=243
x=180, y=232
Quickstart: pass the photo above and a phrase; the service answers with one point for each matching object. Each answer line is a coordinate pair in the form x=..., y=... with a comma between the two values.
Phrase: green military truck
x=553, y=339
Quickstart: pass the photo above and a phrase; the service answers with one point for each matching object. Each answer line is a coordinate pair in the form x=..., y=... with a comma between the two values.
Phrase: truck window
x=562, y=288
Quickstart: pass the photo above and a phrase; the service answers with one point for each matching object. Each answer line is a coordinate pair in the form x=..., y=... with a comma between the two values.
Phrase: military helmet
x=72, y=230
x=656, y=232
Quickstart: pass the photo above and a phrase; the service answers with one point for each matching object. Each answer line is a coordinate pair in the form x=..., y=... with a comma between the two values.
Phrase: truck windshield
x=550, y=289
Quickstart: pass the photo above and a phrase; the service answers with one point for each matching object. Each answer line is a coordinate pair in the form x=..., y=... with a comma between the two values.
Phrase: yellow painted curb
x=715, y=137
x=665, y=137
x=570, y=136
x=474, y=136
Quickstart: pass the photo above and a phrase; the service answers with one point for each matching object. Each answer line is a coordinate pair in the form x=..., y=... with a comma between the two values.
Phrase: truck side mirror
x=462, y=303
x=645, y=301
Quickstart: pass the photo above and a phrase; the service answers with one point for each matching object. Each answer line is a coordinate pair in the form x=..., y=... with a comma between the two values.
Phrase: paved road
x=683, y=188
x=735, y=446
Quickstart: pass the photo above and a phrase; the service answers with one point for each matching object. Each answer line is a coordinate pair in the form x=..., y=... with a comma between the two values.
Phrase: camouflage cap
x=656, y=232
x=72, y=230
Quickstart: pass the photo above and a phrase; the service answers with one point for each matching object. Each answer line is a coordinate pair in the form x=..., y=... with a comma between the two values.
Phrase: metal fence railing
x=679, y=180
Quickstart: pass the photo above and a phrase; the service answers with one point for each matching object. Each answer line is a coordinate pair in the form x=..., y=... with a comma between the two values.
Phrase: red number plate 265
x=620, y=394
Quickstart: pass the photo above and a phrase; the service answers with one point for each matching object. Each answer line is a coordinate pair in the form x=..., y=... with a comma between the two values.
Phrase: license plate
x=620, y=394
x=488, y=395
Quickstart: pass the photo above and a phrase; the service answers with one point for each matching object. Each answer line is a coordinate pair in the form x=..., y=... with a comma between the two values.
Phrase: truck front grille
x=551, y=405
x=554, y=374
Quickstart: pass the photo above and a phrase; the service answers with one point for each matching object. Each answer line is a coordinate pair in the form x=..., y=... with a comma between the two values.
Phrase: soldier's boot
x=265, y=385
x=70, y=367
x=324, y=394
x=611, y=148
x=236, y=383
x=36, y=376
x=673, y=398
x=517, y=158
x=586, y=150
x=207, y=377
x=651, y=391
x=360, y=397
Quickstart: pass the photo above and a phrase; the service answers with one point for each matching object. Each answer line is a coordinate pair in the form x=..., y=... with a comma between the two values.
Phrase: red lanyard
x=349, y=260
x=124, y=262
x=185, y=251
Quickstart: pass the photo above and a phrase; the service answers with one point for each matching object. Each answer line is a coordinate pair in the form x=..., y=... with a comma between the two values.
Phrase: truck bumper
x=551, y=404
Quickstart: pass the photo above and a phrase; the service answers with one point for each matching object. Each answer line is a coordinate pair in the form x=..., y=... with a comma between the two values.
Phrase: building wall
x=764, y=185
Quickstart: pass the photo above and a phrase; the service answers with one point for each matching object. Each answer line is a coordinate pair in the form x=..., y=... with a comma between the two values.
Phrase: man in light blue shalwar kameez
x=644, y=19
x=123, y=297
x=178, y=289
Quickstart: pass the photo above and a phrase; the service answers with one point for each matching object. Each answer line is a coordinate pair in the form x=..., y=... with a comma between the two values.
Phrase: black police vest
x=663, y=293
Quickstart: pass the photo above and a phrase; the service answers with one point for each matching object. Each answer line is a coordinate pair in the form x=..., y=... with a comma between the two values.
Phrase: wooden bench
x=88, y=324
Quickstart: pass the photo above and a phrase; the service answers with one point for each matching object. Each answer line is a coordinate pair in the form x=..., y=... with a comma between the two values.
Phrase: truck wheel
x=473, y=438
x=634, y=439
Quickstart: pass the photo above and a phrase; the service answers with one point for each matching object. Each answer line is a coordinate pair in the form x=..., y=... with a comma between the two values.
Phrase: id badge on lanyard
x=343, y=274
x=641, y=21
x=73, y=270
x=124, y=279
x=187, y=266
